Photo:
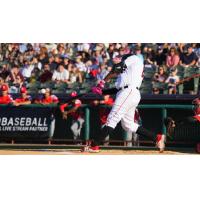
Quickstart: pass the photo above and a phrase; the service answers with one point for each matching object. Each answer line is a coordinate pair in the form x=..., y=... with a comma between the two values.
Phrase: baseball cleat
x=90, y=149
x=160, y=142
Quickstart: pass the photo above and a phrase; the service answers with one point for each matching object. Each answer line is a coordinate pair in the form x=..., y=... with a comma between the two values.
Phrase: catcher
x=191, y=120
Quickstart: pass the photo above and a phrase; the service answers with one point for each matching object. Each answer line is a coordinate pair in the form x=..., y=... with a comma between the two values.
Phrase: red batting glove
x=97, y=90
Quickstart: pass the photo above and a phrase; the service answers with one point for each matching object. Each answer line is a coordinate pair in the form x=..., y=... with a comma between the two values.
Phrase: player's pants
x=52, y=126
x=124, y=109
x=76, y=128
x=132, y=139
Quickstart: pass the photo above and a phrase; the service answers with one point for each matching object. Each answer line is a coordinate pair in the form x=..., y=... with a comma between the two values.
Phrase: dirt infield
x=103, y=152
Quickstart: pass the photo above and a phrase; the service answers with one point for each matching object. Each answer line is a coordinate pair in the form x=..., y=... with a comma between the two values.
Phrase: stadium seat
x=159, y=85
x=33, y=86
x=47, y=85
x=146, y=87
x=149, y=72
x=180, y=89
x=60, y=86
x=55, y=91
x=180, y=72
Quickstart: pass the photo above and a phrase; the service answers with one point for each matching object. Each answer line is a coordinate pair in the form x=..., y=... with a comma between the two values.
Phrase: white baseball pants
x=124, y=109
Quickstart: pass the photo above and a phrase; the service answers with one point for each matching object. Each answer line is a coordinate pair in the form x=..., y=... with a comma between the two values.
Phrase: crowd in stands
x=63, y=67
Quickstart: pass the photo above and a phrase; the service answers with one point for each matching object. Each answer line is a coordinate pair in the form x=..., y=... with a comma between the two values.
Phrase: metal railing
x=163, y=107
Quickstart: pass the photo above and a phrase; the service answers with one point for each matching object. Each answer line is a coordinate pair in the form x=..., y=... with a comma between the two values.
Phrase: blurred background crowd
x=64, y=67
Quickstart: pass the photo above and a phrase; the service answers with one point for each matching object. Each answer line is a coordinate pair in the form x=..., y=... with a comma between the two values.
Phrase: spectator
x=89, y=58
x=173, y=58
x=181, y=48
x=110, y=51
x=52, y=63
x=2, y=81
x=97, y=55
x=81, y=66
x=197, y=52
x=159, y=77
x=16, y=85
x=65, y=62
x=34, y=75
x=138, y=53
x=34, y=61
x=27, y=69
x=75, y=75
x=155, y=90
x=15, y=74
x=189, y=58
x=172, y=81
x=83, y=47
x=4, y=71
x=103, y=72
x=55, y=62
x=160, y=57
x=46, y=74
x=149, y=58
x=22, y=47
x=61, y=75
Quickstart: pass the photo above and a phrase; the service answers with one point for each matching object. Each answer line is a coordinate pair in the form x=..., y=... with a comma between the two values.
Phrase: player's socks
x=144, y=132
x=105, y=131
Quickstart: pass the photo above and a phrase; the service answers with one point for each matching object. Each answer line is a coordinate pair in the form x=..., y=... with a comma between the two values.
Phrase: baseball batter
x=128, y=70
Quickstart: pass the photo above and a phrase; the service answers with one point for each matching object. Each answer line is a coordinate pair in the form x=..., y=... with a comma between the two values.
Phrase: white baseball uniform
x=127, y=99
